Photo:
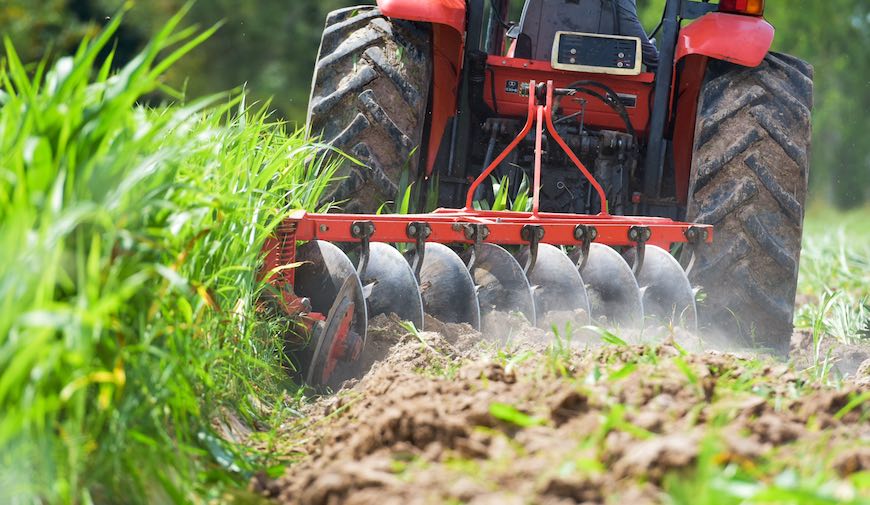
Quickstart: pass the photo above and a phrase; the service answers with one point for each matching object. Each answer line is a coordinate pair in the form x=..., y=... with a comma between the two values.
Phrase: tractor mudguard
x=743, y=40
x=442, y=12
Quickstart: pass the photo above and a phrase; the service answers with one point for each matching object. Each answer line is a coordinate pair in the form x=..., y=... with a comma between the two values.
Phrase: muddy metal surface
x=448, y=416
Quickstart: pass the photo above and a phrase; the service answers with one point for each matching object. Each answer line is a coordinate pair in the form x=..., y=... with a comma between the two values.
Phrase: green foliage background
x=270, y=46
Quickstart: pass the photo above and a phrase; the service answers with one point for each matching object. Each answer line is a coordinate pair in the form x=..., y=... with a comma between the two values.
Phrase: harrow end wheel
x=329, y=280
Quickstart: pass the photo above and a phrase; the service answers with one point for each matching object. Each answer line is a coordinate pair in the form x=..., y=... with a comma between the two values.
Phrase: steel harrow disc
x=557, y=287
x=446, y=286
x=500, y=281
x=323, y=271
x=611, y=287
x=668, y=297
x=329, y=280
x=390, y=285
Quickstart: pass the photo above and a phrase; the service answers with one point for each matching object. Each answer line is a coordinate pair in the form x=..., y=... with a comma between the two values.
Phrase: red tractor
x=632, y=171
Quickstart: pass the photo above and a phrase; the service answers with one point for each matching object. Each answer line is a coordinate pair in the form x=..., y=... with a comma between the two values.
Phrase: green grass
x=130, y=245
x=610, y=378
x=834, y=281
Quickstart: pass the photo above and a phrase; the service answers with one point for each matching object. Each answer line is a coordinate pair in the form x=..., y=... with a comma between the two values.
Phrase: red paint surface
x=339, y=344
x=504, y=227
x=687, y=91
x=447, y=61
x=443, y=12
x=597, y=114
x=744, y=40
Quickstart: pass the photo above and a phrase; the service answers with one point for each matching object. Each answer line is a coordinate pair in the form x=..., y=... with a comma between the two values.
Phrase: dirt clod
x=656, y=456
x=575, y=424
x=568, y=405
x=853, y=461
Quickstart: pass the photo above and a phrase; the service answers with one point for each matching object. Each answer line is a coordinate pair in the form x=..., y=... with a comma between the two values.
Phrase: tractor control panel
x=595, y=53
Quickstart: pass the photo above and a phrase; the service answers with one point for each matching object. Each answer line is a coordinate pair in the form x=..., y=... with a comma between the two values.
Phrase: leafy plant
x=559, y=350
x=512, y=415
x=502, y=200
x=130, y=250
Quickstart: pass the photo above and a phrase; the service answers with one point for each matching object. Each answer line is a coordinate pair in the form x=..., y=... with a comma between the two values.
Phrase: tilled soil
x=448, y=416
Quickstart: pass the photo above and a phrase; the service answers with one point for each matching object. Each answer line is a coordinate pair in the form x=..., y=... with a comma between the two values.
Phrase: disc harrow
x=462, y=265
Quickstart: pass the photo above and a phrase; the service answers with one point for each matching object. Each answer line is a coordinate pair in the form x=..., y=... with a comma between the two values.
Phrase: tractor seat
x=541, y=20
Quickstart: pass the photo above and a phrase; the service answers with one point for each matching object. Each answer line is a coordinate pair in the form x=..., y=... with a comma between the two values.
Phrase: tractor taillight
x=751, y=7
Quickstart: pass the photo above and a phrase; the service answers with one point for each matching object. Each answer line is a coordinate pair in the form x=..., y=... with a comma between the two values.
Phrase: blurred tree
x=834, y=36
x=269, y=46
x=38, y=27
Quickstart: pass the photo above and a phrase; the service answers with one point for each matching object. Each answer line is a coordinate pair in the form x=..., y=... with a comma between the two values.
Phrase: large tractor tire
x=749, y=179
x=369, y=98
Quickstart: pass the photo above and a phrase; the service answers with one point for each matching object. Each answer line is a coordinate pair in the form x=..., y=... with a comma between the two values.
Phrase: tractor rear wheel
x=369, y=99
x=749, y=179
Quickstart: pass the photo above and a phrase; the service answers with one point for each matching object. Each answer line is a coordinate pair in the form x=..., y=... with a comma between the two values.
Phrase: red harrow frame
x=331, y=294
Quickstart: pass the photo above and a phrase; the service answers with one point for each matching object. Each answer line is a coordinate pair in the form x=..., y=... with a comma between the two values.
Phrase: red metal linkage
x=573, y=157
x=539, y=115
x=501, y=227
x=539, y=149
x=504, y=227
x=530, y=120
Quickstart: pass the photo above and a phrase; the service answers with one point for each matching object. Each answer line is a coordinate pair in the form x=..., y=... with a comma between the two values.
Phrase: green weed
x=130, y=248
x=502, y=200
x=834, y=281
x=559, y=351
x=711, y=482
x=512, y=415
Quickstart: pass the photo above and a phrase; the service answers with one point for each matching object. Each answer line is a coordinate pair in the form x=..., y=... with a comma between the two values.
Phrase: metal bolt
x=323, y=227
x=696, y=234
x=639, y=234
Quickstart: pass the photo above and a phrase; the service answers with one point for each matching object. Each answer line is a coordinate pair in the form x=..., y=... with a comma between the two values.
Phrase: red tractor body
x=626, y=161
x=712, y=35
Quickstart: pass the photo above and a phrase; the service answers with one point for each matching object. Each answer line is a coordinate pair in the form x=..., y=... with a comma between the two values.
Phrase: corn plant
x=502, y=199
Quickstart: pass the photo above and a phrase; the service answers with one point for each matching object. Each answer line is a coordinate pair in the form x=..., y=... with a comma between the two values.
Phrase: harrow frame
x=336, y=330
x=469, y=225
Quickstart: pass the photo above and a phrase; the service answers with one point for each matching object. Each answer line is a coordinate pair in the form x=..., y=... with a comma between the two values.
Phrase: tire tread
x=369, y=98
x=749, y=173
